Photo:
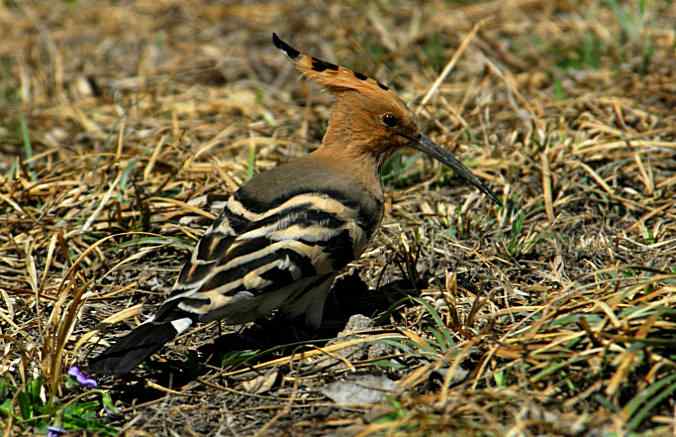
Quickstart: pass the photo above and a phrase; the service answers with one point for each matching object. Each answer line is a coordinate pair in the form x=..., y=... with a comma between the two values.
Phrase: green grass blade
x=649, y=398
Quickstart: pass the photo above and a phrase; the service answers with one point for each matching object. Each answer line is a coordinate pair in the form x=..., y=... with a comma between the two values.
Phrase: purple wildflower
x=82, y=378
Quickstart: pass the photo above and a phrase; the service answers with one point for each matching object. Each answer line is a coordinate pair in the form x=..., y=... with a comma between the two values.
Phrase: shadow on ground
x=265, y=340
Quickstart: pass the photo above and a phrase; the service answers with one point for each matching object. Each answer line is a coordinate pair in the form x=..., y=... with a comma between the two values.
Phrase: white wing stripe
x=317, y=200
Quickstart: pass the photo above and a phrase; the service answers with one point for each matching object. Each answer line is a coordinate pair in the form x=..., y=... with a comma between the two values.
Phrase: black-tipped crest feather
x=283, y=46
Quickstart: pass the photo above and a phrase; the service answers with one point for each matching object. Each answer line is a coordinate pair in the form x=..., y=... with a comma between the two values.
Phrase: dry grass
x=117, y=118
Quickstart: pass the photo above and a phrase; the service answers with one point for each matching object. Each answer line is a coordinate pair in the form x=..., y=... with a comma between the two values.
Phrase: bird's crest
x=335, y=78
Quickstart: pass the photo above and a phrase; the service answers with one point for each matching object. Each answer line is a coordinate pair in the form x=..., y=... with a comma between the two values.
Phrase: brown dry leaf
x=262, y=383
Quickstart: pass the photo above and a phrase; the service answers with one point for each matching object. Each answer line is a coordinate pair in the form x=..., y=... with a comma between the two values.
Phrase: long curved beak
x=428, y=147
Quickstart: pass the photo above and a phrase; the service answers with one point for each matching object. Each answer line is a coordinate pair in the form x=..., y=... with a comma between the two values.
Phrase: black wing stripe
x=170, y=310
x=238, y=272
x=367, y=219
x=192, y=273
x=340, y=249
x=258, y=250
x=301, y=231
x=211, y=247
x=229, y=221
x=278, y=276
x=246, y=247
x=301, y=219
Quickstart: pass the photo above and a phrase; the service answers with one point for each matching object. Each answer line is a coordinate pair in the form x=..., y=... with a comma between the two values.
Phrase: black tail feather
x=133, y=348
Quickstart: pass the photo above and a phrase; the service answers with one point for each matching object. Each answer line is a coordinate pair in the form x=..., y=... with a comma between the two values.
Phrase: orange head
x=368, y=117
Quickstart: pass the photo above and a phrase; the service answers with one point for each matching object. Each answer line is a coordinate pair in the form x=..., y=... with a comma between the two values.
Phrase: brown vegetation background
x=551, y=315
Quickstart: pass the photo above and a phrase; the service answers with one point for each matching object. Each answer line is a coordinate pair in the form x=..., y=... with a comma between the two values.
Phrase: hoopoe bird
x=282, y=238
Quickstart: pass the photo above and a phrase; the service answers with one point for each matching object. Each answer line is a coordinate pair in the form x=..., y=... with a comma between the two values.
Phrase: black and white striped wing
x=251, y=262
x=278, y=244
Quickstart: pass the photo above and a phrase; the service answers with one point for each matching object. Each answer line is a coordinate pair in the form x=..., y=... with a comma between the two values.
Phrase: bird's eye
x=390, y=120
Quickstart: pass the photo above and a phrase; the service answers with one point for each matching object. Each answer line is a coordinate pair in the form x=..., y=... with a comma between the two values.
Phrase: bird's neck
x=354, y=162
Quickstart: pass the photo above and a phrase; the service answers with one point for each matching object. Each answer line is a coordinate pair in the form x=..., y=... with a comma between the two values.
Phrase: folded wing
x=251, y=261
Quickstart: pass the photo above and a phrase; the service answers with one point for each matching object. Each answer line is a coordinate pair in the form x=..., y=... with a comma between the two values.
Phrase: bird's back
x=277, y=245
x=284, y=230
x=315, y=174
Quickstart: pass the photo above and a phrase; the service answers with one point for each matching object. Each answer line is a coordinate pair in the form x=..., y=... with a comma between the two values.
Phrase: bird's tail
x=138, y=345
